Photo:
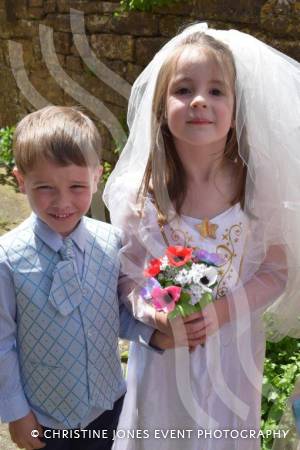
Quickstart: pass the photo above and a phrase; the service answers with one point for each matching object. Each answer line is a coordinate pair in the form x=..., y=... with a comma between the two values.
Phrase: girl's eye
x=216, y=92
x=183, y=91
x=77, y=186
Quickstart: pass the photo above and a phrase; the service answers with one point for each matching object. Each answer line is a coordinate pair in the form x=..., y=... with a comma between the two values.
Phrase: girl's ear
x=20, y=179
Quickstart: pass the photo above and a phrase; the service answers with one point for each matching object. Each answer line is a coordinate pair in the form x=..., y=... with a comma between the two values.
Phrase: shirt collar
x=53, y=239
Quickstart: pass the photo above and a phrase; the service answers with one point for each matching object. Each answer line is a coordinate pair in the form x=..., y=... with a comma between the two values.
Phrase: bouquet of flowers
x=182, y=281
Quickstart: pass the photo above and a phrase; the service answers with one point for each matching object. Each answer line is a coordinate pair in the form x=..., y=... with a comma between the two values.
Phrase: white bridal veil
x=268, y=132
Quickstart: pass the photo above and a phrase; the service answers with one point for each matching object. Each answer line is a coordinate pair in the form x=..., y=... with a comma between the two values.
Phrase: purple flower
x=209, y=258
x=147, y=289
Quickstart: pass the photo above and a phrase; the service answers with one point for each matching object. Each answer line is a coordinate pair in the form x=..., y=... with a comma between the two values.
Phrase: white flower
x=164, y=263
x=183, y=277
x=197, y=271
x=196, y=291
x=203, y=275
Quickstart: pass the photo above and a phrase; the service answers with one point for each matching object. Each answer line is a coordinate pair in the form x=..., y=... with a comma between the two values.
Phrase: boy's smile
x=59, y=195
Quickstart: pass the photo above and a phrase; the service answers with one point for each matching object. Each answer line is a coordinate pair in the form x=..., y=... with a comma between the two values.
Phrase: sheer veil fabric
x=268, y=131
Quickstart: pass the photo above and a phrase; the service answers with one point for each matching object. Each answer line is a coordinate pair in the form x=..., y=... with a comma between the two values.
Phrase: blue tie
x=65, y=293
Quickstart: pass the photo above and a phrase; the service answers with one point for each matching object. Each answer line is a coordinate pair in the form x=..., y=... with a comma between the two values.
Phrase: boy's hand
x=20, y=432
x=162, y=323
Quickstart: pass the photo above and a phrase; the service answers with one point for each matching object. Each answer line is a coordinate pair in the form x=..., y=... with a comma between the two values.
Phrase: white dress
x=208, y=399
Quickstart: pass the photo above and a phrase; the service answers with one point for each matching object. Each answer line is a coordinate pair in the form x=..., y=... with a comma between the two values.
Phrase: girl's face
x=200, y=101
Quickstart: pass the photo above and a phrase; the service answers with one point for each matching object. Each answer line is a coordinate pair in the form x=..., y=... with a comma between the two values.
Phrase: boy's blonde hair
x=61, y=134
x=168, y=182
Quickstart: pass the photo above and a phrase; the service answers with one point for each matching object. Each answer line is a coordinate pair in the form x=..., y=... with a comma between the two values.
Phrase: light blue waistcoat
x=69, y=363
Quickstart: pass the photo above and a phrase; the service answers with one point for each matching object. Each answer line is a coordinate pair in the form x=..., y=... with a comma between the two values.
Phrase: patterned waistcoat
x=69, y=363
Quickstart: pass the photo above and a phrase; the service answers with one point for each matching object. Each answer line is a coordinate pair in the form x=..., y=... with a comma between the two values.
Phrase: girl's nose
x=199, y=101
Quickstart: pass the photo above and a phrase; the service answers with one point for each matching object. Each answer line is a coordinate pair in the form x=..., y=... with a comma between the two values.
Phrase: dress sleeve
x=133, y=256
x=265, y=285
x=13, y=403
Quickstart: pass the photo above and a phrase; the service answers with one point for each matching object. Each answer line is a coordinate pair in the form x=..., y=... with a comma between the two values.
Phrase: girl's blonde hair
x=168, y=182
x=61, y=134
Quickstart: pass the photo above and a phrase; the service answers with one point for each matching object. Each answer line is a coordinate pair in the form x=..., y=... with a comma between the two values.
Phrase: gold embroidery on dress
x=227, y=251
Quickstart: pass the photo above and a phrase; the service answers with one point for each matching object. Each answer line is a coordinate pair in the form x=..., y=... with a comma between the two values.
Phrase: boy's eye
x=216, y=92
x=44, y=188
x=77, y=186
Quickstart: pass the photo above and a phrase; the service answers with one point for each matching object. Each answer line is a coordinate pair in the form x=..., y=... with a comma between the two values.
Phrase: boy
x=59, y=313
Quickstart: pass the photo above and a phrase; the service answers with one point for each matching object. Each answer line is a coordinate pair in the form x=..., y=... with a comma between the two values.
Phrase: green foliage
x=143, y=5
x=107, y=166
x=282, y=368
x=6, y=154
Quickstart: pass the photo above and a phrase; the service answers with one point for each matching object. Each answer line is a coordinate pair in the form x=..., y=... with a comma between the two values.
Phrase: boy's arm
x=13, y=403
x=131, y=328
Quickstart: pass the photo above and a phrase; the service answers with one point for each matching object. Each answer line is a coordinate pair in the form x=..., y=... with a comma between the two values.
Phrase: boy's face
x=59, y=195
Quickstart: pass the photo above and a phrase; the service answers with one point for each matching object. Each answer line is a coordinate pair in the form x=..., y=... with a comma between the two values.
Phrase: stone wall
x=123, y=44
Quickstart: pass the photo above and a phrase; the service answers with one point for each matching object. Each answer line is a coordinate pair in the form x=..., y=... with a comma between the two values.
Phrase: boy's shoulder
x=21, y=234
x=103, y=230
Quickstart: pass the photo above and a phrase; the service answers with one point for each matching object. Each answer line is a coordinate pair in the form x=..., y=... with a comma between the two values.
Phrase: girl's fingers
x=194, y=316
x=196, y=326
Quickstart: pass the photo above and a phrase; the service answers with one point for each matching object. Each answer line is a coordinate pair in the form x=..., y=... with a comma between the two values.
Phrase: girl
x=204, y=167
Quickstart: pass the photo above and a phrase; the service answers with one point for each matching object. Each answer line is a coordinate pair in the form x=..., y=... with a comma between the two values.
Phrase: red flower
x=179, y=256
x=153, y=268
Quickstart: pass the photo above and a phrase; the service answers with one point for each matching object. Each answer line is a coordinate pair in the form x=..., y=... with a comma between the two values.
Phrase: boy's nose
x=61, y=200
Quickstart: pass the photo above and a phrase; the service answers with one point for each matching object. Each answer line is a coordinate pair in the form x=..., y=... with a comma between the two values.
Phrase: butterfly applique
x=207, y=229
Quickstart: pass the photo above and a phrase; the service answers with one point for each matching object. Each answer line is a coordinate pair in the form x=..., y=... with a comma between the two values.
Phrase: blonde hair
x=61, y=134
x=167, y=182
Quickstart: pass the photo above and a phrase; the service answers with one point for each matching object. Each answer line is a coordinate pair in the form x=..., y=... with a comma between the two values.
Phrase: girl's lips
x=200, y=121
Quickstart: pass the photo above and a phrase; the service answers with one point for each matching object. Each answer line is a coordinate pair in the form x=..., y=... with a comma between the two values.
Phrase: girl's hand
x=21, y=429
x=164, y=342
x=214, y=316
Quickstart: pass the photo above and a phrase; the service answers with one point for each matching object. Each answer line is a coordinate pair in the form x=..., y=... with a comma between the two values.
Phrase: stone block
x=88, y=7
x=9, y=102
x=243, y=11
x=20, y=29
x=36, y=13
x=118, y=67
x=98, y=24
x=170, y=25
x=40, y=70
x=73, y=64
x=49, y=89
x=59, y=22
x=145, y=49
x=113, y=46
x=136, y=24
x=36, y=3
x=109, y=7
x=50, y=6
x=180, y=8
x=28, y=54
x=62, y=42
x=281, y=20
x=20, y=10
x=98, y=89
x=132, y=72
x=63, y=6
x=36, y=48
